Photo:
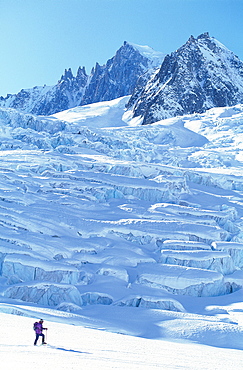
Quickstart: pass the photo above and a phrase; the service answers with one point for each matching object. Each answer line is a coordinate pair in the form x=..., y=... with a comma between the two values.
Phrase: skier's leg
x=43, y=338
x=36, y=339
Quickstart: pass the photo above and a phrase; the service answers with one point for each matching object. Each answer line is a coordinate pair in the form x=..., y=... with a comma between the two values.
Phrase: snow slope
x=99, y=115
x=130, y=229
x=74, y=347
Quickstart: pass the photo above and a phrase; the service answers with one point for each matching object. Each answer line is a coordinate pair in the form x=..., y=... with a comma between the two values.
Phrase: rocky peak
x=201, y=74
x=81, y=72
x=68, y=75
x=118, y=77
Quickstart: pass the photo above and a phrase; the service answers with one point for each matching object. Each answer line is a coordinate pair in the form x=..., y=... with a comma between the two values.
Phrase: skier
x=38, y=328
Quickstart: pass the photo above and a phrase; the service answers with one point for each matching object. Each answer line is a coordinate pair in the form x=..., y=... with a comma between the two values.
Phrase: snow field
x=73, y=347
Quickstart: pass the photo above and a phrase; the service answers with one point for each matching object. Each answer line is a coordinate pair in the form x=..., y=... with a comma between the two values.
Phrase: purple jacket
x=38, y=328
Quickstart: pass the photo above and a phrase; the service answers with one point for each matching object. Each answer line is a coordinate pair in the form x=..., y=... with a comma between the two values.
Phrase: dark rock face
x=116, y=78
x=202, y=74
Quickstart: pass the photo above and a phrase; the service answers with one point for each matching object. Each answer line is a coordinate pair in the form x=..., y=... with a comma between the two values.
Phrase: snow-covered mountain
x=200, y=75
x=115, y=79
x=120, y=225
x=45, y=100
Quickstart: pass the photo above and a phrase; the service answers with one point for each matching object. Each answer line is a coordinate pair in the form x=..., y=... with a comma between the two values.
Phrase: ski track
x=76, y=347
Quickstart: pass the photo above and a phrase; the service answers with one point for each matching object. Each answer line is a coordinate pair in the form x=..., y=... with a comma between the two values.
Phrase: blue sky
x=40, y=38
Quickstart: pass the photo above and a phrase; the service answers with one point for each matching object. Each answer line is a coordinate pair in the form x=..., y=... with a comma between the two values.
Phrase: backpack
x=35, y=325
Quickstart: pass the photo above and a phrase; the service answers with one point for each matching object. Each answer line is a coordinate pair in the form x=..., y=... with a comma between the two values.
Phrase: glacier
x=107, y=220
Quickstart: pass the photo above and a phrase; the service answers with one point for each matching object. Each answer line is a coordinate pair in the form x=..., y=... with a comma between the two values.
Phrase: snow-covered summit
x=200, y=75
x=155, y=57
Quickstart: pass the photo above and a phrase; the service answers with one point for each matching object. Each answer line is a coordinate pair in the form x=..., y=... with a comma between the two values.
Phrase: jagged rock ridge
x=200, y=75
x=115, y=79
